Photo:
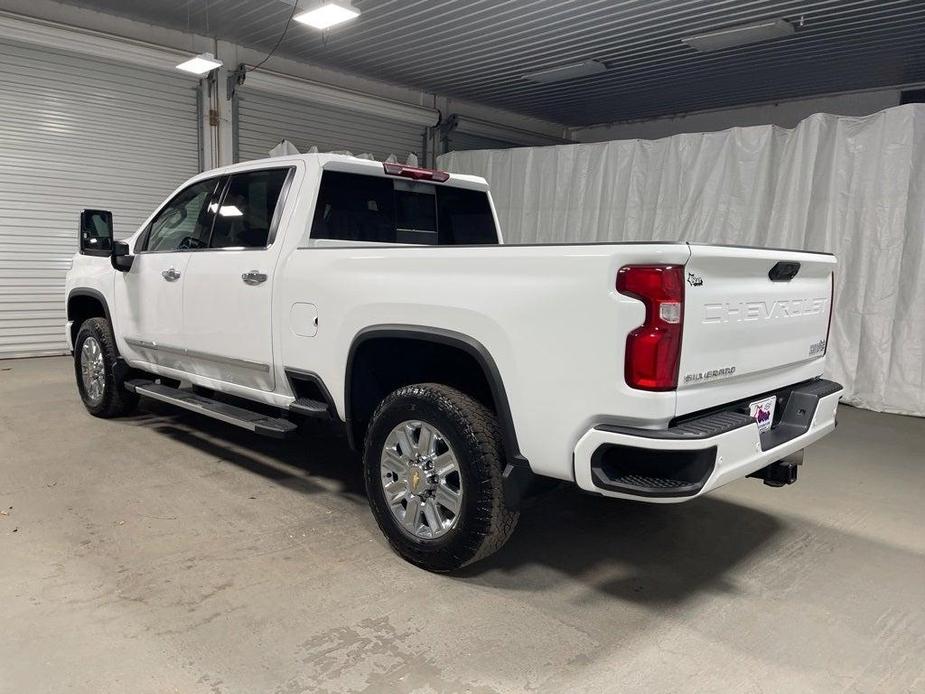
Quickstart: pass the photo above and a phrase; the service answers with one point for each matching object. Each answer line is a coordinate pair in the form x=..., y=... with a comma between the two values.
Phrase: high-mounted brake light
x=653, y=350
x=416, y=173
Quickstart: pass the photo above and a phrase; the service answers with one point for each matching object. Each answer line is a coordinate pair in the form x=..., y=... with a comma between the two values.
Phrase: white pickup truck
x=378, y=296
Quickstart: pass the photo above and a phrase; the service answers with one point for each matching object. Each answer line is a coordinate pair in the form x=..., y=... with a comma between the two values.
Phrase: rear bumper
x=698, y=455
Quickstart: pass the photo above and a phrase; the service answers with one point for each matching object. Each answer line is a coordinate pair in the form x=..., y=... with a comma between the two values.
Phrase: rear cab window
x=385, y=210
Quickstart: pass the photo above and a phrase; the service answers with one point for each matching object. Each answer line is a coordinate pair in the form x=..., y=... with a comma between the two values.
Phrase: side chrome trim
x=193, y=354
x=143, y=344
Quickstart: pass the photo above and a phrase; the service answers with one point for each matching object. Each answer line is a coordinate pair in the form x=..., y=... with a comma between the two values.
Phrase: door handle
x=254, y=277
x=170, y=274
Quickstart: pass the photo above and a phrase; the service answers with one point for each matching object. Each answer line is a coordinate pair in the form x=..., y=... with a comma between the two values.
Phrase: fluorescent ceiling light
x=493, y=131
x=327, y=15
x=740, y=35
x=201, y=64
x=566, y=72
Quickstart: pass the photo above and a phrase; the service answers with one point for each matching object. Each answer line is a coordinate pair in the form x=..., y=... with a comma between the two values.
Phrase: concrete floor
x=171, y=553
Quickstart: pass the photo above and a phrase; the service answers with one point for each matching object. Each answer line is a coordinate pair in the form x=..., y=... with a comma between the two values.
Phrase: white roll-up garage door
x=264, y=119
x=77, y=132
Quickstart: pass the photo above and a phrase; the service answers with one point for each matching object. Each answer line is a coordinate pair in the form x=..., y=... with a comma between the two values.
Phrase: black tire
x=484, y=523
x=115, y=400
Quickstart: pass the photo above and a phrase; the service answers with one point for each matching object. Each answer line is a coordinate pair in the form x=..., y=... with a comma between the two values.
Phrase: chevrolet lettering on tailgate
x=762, y=310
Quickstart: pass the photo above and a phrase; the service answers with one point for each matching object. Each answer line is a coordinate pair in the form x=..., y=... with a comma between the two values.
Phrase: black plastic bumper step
x=701, y=428
x=652, y=472
x=651, y=482
x=310, y=408
x=797, y=405
x=246, y=419
x=647, y=485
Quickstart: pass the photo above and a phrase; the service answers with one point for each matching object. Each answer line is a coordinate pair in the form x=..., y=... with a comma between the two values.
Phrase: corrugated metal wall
x=264, y=119
x=77, y=132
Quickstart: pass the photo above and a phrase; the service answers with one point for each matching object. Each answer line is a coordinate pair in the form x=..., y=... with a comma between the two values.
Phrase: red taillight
x=653, y=350
x=416, y=173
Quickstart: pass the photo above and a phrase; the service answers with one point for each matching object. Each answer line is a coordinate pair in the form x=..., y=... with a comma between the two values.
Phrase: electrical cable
x=295, y=6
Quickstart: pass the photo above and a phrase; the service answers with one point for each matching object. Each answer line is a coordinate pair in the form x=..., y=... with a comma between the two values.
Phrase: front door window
x=185, y=222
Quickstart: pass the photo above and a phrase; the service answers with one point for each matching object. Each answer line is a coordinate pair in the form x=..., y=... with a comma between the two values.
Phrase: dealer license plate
x=762, y=411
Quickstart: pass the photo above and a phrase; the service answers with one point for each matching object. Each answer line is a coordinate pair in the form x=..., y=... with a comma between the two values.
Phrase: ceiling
x=480, y=49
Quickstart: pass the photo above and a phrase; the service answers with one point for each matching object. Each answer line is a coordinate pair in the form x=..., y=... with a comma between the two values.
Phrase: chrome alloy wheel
x=421, y=480
x=93, y=370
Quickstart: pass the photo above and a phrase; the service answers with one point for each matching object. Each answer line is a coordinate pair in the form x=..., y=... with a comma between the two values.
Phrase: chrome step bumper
x=700, y=453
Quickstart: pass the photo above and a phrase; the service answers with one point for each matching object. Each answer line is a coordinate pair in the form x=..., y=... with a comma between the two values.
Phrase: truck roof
x=342, y=162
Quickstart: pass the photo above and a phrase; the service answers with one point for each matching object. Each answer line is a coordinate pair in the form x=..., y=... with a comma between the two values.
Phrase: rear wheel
x=100, y=380
x=433, y=463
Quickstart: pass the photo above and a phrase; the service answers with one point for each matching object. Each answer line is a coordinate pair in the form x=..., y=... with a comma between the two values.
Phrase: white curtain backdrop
x=850, y=186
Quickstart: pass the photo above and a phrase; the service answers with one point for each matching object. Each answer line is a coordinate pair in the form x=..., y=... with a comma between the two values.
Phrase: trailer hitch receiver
x=781, y=473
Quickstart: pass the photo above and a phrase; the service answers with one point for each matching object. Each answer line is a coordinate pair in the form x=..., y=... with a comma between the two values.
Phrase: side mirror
x=121, y=257
x=95, y=232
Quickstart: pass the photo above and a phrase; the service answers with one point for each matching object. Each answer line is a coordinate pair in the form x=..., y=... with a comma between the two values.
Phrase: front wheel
x=100, y=382
x=433, y=464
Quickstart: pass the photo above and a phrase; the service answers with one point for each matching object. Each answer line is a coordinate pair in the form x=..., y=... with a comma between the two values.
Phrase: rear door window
x=244, y=216
x=376, y=209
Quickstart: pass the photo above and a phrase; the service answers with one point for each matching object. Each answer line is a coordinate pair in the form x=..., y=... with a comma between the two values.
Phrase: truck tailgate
x=754, y=320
